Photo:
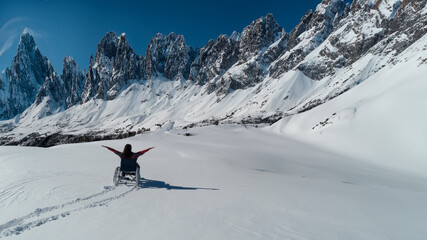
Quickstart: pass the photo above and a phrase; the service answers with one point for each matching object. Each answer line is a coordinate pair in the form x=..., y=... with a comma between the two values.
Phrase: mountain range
x=257, y=76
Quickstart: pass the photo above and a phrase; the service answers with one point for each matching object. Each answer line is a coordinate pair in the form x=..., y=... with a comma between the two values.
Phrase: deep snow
x=223, y=182
x=381, y=120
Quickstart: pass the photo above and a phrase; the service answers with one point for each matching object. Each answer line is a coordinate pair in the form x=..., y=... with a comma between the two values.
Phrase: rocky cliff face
x=169, y=56
x=313, y=29
x=260, y=34
x=101, y=68
x=24, y=78
x=179, y=59
x=114, y=65
x=258, y=45
x=73, y=80
x=127, y=66
x=407, y=23
x=214, y=59
x=364, y=26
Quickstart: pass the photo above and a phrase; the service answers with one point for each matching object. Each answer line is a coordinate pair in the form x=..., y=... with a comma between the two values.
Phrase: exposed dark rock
x=73, y=80
x=260, y=44
x=127, y=66
x=179, y=59
x=405, y=22
x=169, y=56
x=53, y=139
x=215, y=58
x=408, y=20
x=258, y=35
x=114, y=65
x=313, y=29
x=25, y=76
x=302, y=26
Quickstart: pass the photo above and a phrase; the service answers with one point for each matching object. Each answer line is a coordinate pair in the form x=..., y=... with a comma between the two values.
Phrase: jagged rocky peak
x=313, y=29
x=123, y=47
x=327, y=14
x=114, y=65
x=179, y=59
x=107, y=47
x=125, y=60
x=69, y=62
x=28, y=71
x=127, y=66
x=52, y=93
x=156, y=54
x=262, y=41
x=235, y=36
x=215, y=58
x=258, y=35
x=299, y=29
x=100, y=69
x=27, y=46
x=29, y=59
x=168, y=55
x=316, y=26
x=376, y=26
x=74, y=81
x=123, y=44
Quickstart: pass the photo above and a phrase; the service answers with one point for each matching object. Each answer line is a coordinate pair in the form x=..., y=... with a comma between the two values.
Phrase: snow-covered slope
x=380, y=120
x=219, y=183
x=258, y=76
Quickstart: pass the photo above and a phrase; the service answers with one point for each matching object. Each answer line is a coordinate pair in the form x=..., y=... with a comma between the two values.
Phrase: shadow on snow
x=149, y=183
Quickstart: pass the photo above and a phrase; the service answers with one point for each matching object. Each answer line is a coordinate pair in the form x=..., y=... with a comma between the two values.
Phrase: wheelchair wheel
x=116, y=176
x=137, y=177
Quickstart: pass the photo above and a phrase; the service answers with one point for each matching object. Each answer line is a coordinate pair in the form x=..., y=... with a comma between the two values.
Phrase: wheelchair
x=127, y=173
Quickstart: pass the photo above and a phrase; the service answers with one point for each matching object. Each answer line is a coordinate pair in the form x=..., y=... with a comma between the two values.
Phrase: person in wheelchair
x=128, y=158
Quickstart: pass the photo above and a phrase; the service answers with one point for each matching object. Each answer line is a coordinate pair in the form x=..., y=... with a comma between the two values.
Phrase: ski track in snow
x=15, y=189
x=41, y=216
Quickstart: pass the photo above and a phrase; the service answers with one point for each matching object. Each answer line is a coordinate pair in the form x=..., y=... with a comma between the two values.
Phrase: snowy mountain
x=316, y=133
x=114, y=65
x=168, y=56
x=22, y=81
x=74, y=81
x=258, y=76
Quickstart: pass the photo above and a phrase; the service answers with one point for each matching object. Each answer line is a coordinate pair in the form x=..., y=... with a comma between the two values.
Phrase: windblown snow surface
x=223, y=182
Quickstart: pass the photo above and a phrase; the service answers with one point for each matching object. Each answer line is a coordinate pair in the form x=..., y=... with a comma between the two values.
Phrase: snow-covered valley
x=220, y=183
x=317, y=133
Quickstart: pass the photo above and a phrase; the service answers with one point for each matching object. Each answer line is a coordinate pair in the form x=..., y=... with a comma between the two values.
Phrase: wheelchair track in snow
x=41, y=216
x=14, y=190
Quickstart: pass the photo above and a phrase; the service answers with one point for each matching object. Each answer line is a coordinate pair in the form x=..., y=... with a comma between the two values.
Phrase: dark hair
x=127, y=152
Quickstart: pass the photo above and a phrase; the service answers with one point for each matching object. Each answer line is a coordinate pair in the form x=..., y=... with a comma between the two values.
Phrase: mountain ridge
x=327, y=42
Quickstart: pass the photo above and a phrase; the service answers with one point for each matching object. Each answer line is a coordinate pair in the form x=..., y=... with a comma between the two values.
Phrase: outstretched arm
x=113, y=150
x=144, y=151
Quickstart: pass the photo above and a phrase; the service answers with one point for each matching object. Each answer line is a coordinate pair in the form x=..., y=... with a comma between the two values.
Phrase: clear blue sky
x=74, y=28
